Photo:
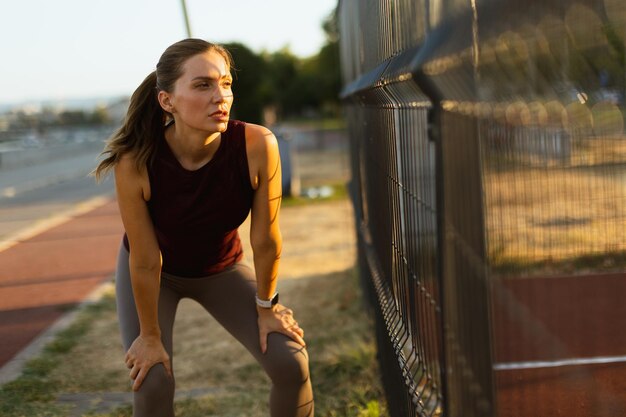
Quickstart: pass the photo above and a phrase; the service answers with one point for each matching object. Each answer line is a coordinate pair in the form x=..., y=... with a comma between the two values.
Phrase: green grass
x=323, y=123
x=344, y=383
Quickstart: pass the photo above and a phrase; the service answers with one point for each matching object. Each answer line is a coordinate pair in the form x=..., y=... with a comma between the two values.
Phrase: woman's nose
x=222, y=94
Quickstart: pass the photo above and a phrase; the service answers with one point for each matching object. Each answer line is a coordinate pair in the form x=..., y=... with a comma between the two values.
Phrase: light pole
x=186, y=18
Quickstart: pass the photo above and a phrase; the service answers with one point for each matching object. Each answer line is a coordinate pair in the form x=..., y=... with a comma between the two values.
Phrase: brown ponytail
x=143, y=124
x=145, y=119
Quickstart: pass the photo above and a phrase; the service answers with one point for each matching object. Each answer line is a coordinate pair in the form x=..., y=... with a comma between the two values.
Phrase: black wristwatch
x=267, y=303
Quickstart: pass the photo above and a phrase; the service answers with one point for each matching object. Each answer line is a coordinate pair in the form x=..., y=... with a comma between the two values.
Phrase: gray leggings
x=229, y=297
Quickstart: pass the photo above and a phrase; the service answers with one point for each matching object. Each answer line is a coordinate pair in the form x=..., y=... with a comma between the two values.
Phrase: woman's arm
x=265, y=236
x=145, y=268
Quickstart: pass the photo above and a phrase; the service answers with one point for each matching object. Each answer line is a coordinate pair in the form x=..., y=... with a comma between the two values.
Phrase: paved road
x=33, y=194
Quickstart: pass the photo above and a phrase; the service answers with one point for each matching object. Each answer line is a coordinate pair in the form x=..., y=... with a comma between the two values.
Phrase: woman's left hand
x=278, y=319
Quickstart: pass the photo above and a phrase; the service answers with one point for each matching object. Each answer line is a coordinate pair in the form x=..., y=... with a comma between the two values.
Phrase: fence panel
x=488, y=164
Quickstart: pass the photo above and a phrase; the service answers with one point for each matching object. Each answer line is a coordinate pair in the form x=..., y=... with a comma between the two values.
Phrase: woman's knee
x=288, y=362
x=155, y=396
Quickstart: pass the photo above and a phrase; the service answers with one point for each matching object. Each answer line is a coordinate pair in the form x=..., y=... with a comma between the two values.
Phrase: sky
x=67, y=49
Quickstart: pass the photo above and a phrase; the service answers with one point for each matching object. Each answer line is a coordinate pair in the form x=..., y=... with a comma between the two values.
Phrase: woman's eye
x=227, y=84
x=203, y=85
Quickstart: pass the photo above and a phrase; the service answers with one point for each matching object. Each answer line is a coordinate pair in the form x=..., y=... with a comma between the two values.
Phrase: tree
x=249, y=72
x=330, y=75
x=329, y=66
x=100, y=116
x=282, y=71
x=308, y=85
x=293, y=86
x=72, y=118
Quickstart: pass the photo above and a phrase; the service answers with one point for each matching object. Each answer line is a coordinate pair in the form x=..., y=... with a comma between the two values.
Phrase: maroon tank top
x=196, y=213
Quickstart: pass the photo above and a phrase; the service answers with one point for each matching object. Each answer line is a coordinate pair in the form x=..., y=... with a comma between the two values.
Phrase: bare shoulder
x=260, y=140
x=128, y=177
x=127, y=164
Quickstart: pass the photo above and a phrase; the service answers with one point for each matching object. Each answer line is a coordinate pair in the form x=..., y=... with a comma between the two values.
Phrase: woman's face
x=202, y=96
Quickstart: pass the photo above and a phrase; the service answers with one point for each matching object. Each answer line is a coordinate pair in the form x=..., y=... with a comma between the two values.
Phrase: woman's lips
x=219, y=115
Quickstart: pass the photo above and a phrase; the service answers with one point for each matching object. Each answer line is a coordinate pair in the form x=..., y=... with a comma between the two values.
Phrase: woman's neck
x=192, y=147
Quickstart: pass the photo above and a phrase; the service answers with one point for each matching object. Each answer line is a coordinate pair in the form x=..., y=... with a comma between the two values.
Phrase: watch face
x=275, y=299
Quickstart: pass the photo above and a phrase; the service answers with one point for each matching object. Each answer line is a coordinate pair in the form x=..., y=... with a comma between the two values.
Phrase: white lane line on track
x=53, y=221
x=507, y=366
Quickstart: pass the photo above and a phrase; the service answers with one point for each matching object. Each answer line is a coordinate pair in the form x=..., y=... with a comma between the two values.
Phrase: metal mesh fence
x=395, y=194
x=488, y=176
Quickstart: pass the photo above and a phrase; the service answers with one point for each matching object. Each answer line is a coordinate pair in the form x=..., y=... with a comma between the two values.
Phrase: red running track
x=554, y=319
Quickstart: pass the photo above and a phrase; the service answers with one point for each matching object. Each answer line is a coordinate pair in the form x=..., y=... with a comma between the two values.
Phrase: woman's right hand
x=144, y=353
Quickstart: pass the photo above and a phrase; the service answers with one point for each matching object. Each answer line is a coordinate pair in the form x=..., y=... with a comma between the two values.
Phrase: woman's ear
x=165, y=100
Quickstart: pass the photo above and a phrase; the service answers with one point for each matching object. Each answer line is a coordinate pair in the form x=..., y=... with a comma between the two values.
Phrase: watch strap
x=267, y=303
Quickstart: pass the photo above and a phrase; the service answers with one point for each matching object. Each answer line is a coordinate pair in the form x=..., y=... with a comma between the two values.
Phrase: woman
x=186, y=178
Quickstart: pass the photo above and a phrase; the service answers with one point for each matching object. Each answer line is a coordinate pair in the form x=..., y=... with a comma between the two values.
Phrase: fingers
x=138, y=373
x=282, y=321
x=294, y=331
x=134, y=371
x=139, y=368
x=263, y=341
x=129, y=359
x=296, y=337
x=141, y=375
x=298, y=330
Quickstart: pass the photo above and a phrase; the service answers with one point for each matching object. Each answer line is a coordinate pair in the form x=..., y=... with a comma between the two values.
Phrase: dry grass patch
x=555, y=216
